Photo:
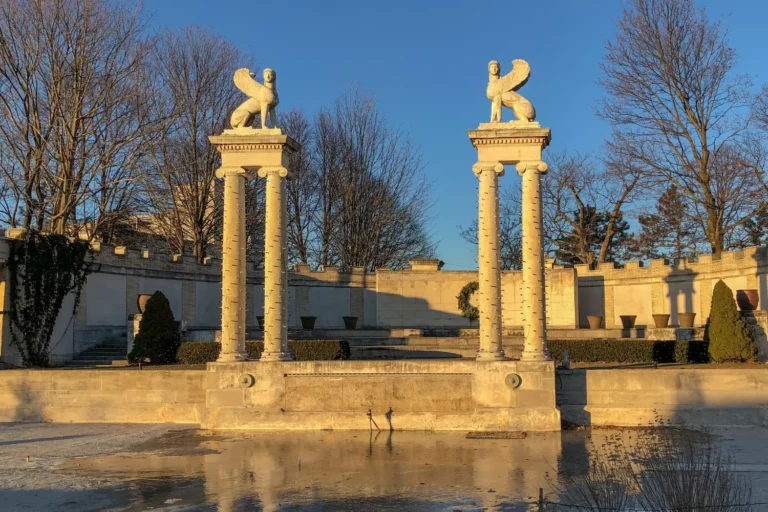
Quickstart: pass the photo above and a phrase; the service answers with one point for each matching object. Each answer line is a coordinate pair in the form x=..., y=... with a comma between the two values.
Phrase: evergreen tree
x=158, y=338
x=668, y=233
x=728, y=336
x=582, y=244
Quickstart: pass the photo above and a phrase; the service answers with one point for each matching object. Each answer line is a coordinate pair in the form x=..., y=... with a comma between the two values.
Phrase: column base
x=232, y=357
x=535, y=356
x=497, y=355
x=276, y=356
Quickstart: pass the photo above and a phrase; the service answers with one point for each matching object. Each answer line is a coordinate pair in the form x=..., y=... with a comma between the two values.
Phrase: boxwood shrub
x=200, y=352
x=629, y=351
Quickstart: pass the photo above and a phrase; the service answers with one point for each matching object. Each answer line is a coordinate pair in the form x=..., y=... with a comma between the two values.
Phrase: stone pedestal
x=521, y=144
x=133, y=329
x=244, y=152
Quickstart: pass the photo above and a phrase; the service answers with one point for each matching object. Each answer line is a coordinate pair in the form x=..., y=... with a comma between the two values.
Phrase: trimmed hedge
x=630, y=351
x=200, y=352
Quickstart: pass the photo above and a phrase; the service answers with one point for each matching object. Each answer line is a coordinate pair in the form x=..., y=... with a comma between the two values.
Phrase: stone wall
x=96, y=396
x=422, y=298
x=682, y=286
x=421, y=395
x=641, y=397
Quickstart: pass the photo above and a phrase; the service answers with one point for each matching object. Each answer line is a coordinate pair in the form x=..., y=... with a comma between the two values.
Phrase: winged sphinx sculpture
x=501, y=91
x=261, y=99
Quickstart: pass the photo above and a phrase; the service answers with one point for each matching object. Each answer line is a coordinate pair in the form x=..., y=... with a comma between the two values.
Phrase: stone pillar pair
x=498, y=145
x=245, y=153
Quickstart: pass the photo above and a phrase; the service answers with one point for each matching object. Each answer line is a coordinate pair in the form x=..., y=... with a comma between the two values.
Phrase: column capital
x=480, y=167
x=532, y=165
x=223, y=172
x=280, y=171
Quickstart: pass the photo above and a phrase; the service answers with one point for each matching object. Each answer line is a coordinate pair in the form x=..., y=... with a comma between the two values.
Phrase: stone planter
x=141, y=302
x=661, y=321
x=261, y=322
x=350, y=322
x=748, y=300
x=308, y=322
x=595, y=322
x=628, y=321
x=686, y=320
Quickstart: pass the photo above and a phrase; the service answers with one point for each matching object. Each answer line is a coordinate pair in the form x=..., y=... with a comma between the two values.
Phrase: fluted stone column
x=275, y=268
x=534, y=312
x=489, y=261
x=233, y=268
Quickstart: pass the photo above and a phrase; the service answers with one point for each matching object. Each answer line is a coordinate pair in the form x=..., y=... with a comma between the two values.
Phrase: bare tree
x=195, y=70
x=75, y=112
x=382, y=191
x=676, y=105
x=584, y=204
x=510, y=232
x=302, y=187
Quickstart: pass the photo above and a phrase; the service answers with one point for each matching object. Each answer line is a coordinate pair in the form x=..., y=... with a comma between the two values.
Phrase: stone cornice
x=511, y=136
x=254, y=142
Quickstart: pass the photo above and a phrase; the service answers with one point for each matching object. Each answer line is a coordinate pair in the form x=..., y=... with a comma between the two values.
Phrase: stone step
x=424, y=352
x=104, y=351
x=89, y=357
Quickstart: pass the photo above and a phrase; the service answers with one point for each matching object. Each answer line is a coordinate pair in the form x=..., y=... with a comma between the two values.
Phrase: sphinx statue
x=261, y=99
x=501, y=91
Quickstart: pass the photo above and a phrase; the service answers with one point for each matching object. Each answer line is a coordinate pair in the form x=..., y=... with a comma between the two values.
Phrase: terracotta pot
x=308, y=322
x=748, y=300
x=595, y=322
x=661, y=321
x=261, y=322
x=141, y=302
x=628, y=321
x=686, y=320
x=350, y=322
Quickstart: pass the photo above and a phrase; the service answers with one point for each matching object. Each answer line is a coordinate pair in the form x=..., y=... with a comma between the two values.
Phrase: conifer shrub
x=158, y=338
x=728, y=336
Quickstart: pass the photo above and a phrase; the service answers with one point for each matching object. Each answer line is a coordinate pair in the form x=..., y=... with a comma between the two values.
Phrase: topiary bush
x=200, y=352
x=728, y=336
x=158, y=338
x=629, y=351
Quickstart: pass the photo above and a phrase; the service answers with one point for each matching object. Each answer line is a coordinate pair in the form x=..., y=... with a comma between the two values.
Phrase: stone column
x=275, y=268
x=489, y=261
x=534, y=311
x=233, y=267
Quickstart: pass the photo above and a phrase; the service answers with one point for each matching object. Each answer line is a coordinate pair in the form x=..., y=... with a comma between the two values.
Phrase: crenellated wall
x=421, y=297
x=681, y=286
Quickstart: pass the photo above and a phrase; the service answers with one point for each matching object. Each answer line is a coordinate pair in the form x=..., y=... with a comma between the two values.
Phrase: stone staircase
x=108, y=353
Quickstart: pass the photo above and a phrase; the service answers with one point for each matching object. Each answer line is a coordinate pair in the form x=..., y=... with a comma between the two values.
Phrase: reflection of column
x=233, y=268
x=275, y=271
x=534, y=313
x=489, y=260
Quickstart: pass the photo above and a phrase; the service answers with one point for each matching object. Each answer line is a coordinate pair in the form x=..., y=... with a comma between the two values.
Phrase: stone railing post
x=275, y=267
x=233, y=267
x=534, y=313
x=489, y=261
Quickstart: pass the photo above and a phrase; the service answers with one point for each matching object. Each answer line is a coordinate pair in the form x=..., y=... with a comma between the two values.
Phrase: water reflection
x=342, y=470
x=334, y=471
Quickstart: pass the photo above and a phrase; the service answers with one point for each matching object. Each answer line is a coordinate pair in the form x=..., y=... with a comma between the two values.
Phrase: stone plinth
x=520, y=144
x=412, y=395
x=245, y=152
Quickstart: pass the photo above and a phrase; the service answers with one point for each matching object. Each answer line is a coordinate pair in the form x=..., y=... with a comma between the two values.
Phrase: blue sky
x=425, y=62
